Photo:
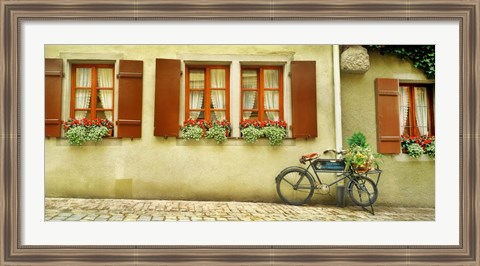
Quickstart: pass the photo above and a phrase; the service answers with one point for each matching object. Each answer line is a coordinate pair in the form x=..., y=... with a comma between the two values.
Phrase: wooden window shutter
x=130, y=85
x=167, y=98
x=388, y=121
x=53, y=97
x=304, y=99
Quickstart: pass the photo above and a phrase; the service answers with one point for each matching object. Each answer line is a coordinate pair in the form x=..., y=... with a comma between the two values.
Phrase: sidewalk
x=72, y=209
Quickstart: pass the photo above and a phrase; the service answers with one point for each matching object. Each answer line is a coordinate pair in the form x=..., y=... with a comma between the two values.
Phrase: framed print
x=102, y=64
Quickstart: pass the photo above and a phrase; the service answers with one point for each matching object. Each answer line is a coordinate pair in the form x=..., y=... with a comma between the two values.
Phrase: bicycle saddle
x=310, y=156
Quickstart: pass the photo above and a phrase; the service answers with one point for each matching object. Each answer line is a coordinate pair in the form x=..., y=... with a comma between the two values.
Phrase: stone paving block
x=158, y=218
x=90, y=217
x=144, y=218
x=65, y=214
x=76, y=217
x=58, y=218
x=117, y=217
x=171, y=218
x=102, y=217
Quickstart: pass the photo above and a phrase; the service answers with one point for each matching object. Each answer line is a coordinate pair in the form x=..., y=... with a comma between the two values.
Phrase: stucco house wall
x=405, y=181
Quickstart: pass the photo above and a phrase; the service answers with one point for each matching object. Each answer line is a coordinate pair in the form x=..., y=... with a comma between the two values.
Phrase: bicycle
x=296, y=185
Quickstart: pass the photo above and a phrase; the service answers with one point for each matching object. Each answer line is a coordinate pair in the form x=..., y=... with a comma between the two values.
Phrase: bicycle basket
x=329, y=165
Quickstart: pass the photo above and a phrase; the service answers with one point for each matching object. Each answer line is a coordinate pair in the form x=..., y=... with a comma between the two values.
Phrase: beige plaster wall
x=158, y=168
x=405, y=181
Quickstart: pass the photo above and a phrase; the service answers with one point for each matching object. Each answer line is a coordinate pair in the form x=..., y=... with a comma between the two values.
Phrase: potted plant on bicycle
x=359, y=155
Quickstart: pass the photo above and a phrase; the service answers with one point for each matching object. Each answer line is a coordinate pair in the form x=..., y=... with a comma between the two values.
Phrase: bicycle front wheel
x=363, y=191
x=295, y=186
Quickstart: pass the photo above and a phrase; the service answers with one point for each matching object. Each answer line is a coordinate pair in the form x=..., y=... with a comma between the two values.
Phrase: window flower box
x=196, y=129
x=417, y=146
x=274, y=131
x=79, y=131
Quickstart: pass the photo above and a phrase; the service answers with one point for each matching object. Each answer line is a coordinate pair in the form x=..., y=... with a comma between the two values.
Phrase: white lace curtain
x=83, y=91
x=197, y=81
x=217, y=81
x=421, y=109
x=271, y=97
x=249, y=81
x=404, y=107
x=105, y=80
x=249, y=99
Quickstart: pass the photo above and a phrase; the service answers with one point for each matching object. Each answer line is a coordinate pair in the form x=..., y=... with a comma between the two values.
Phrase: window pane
x=196, y=99
x=84, y=77
x=270, y=78
x=249, y=79
x=218, y=99
x=197, y=115
x=218, y=115
x=105, y=99
x=196, y=102
x=250, y=115
x=271, y=100
x=105, y=78
x=250, y=100
x=197, y=79
x=217, y=78
x=82, y=114
x=82, y=98
x=272, y=115
x=105, y=115
x=404, y=100
x=421, y=110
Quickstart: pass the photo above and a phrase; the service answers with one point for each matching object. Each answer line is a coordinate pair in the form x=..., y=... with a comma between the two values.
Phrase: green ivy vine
x=421, y=56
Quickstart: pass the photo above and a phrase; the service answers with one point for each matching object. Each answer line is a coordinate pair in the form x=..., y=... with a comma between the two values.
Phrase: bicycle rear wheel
x=295, y=186
x=363, y=191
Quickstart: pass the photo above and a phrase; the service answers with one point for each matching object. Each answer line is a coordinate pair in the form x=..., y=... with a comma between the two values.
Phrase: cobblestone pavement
x=73, y=209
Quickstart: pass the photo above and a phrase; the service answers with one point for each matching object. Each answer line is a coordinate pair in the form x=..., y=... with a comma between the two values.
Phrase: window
x=207, y=93
x=416, y=110
x=402, y=109
x=92, y=95
x=262, y=93
x=92, y=91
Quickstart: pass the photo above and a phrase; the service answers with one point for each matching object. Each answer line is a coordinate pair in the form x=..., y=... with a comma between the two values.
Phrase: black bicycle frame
x=345, y=174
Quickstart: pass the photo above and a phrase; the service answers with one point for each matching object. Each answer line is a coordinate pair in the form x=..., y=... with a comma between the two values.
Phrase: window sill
x=232, y=141
x=109, y=141
x=403, y=157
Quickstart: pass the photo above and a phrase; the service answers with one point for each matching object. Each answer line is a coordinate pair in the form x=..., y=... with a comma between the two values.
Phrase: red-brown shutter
x=167, y=97
x=304, y=99
x=53, y=97
x=388, y=123
x=130, y=87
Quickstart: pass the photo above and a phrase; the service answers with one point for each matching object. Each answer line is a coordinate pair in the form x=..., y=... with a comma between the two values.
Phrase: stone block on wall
x=355, y=59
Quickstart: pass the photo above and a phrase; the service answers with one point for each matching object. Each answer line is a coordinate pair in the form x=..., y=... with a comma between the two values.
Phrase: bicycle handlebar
x=342, y=152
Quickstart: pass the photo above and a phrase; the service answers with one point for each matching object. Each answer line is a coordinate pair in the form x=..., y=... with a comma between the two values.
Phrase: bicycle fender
x=289, y=168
